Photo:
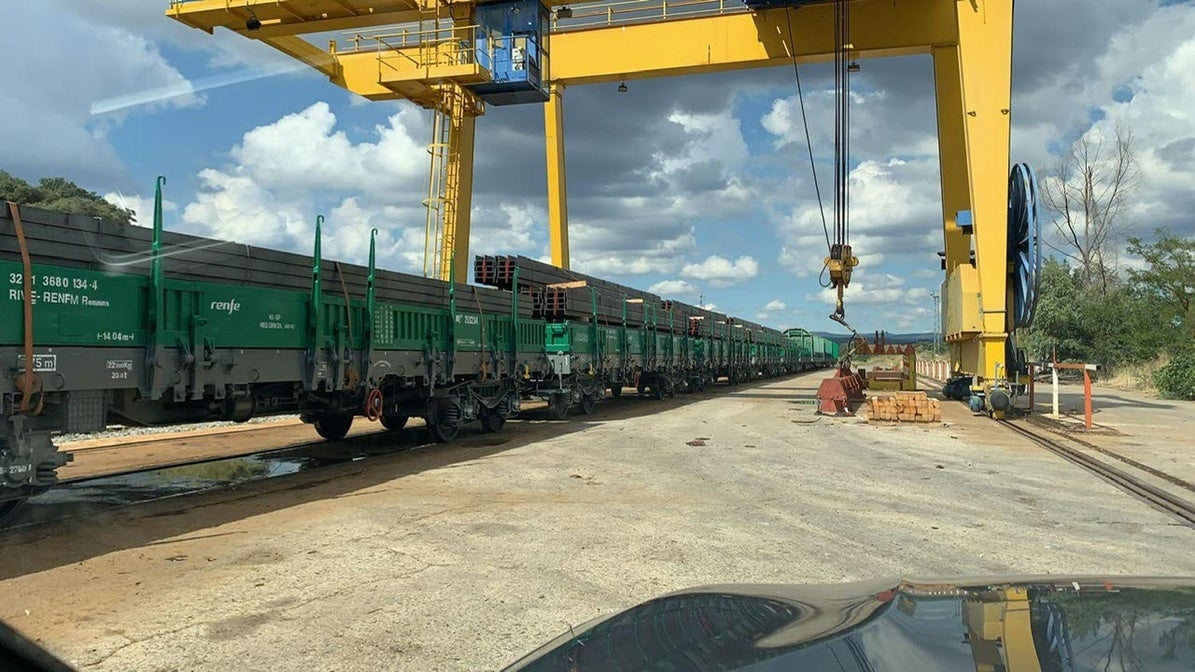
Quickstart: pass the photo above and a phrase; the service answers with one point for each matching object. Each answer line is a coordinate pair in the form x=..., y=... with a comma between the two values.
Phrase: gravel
x=120, y=431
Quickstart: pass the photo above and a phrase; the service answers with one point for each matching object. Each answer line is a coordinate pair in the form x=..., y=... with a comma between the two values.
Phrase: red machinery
x=841, y=393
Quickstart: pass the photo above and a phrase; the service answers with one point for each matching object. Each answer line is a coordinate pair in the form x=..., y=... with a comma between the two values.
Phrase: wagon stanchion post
x=367, y=330
x=451, y=315
x=597, y=363
x=514, y=322
x=157, y=297
x=370, y=292
x=315, y=320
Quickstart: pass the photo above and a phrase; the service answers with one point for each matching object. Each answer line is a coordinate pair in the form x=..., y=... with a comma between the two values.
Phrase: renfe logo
x=231, y=306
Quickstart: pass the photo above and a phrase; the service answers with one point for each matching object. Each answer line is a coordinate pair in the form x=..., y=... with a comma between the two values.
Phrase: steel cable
x=805, y=122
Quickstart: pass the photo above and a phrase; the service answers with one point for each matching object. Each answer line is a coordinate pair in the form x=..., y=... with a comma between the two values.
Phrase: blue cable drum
x=1024, y=244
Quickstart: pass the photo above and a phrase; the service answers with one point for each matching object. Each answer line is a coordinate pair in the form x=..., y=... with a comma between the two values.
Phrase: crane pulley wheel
x=1024, y=244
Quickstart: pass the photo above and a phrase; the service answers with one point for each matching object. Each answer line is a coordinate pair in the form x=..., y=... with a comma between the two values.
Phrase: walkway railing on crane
x=624, y=12
x=441, y=45
x=587, y=15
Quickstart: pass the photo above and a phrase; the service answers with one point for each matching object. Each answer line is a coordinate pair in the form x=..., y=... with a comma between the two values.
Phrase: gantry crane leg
x=973, y=81
x=557, y=182
x=956, y=198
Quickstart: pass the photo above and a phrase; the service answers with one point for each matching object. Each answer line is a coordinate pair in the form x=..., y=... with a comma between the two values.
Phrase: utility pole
x=937, y=320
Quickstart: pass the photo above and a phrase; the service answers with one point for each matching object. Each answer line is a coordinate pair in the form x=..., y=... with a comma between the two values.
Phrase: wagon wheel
x=557, y=406
x=393, y=421
x=8, y=508
x=588, y=401
x=443, y=420
x=492, y=421
x=333, y=426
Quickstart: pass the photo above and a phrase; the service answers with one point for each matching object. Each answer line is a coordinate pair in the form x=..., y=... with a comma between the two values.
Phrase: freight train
x=104, y=323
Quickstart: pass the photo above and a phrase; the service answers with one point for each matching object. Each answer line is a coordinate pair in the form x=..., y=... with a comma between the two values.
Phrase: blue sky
x=699, y=187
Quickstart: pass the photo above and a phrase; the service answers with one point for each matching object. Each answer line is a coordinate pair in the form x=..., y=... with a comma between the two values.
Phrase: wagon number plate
x=44, y=363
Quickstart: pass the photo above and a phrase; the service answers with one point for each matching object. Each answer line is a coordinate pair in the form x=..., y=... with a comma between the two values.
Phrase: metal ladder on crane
x=443, y=183
x=440, y=44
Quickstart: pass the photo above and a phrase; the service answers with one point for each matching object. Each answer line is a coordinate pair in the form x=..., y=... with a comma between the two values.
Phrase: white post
x=1054, y=379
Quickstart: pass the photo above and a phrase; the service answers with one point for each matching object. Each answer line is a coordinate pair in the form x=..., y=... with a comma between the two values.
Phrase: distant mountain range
x=889, y=338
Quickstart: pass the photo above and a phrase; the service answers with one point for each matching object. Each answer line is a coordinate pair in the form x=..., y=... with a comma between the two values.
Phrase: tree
x=1170, y=276
x=61, y=195
x=1087, y=191
x=1057, y=327
x=1080, y=323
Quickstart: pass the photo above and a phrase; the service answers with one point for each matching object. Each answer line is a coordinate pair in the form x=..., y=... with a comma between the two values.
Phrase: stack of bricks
x=904, y=407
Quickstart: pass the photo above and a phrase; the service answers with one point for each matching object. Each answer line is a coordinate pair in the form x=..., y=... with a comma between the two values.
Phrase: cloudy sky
x=698, y=187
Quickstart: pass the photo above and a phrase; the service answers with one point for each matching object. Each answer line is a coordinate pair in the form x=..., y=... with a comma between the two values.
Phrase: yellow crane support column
x=557, y=182
x=956, y=198
x=974, y=83
x=952, y=154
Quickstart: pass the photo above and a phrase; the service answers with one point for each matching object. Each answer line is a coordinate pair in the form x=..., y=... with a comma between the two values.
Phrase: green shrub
x=1176, y=380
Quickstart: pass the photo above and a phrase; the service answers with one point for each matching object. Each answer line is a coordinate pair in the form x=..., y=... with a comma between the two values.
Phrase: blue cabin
x=512, y=43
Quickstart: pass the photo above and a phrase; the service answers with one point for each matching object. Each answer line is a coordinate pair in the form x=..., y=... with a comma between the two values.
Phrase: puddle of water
x=92, y=496
x=88, y=497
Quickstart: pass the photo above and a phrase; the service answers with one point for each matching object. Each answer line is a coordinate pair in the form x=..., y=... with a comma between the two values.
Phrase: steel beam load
x=562, y=294
x=78, y=241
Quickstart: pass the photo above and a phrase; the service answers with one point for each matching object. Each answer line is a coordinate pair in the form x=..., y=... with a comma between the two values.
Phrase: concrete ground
x=464, y=557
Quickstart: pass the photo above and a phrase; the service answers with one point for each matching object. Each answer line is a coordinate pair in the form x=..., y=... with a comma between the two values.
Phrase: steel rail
x=1177, y=507
x=1170, y=478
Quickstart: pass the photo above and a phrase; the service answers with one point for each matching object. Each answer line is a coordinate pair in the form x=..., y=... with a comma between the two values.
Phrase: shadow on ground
x=392, y=456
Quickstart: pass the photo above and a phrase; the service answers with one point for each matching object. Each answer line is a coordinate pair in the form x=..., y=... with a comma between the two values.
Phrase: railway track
x=1178, y=507
x=114, y=457
x=1170, y=478
x=1174, y=505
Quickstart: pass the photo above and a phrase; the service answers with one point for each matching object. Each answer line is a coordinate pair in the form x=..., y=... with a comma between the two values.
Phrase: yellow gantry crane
x=456, y=57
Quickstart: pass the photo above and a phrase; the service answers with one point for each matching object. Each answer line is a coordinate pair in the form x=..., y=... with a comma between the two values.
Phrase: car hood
x=1039, y=624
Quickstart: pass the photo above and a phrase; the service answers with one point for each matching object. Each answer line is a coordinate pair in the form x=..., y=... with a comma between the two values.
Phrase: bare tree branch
x=1087, y=191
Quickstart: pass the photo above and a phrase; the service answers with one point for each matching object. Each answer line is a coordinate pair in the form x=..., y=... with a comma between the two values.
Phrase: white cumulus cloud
x=720, y=271
x=57, y=63
x=673, y=288
x=143, y=208
x=895, y=211
x=282, y=174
